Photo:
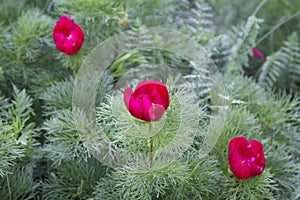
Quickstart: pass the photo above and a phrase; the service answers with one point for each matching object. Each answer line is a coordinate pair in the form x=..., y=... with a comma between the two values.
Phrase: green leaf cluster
x=44, y=157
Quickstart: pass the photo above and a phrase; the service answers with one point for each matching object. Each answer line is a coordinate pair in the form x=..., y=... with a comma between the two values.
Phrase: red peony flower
x=149, y=100
x=67, y=35
x=257, y=53
x=246, y=158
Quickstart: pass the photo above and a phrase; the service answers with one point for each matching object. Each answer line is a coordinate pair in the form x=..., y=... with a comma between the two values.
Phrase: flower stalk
x=150, y=145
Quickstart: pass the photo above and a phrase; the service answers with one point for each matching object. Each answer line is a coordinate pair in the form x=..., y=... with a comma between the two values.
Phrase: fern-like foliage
x=62, y=140
x=149, y=13
x=16, y=131
x=280, y=120
x=62, y=184
x=282, y=68
x=10, y=150
x=260, y=187
x=284, y=169
x=271, y=119
x=141, y=185
x=99, y=19
x=270, y=71
x=150, y=61
x=10, y=10
x=132, y=136
x=243, y=40
x=25, y=46
x=194, y=18
x=29, y=35
x=231, y=51
x=57, y=97
x=219, y=50
x=57, y=161
x=239, y=122
x=60, y=125
x=277, y=114
x=199, y=182
x=19, y=184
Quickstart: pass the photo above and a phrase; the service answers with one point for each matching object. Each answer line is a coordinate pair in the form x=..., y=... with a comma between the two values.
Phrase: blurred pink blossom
x=257, y=53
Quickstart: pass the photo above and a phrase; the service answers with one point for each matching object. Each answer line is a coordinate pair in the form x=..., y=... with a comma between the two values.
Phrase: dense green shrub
x=43, y=156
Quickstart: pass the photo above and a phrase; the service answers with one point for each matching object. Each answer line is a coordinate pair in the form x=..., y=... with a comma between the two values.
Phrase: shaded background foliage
x=42, y=156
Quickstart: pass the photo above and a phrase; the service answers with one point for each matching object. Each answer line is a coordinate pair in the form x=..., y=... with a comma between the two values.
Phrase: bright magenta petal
x=136, y=108
x=127, y=95
x=156, y=112
x=245, y=159
x=69, y=47
x=256, y=169
x=239, y=167
x=67, y=35
x=236, y=143
x=59, y=41
x=257, y=53
x=149, y=100
x=151, y=83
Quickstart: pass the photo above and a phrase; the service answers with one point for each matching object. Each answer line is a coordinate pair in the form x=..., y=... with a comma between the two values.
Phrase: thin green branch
x=276, y=27
x=259, y=7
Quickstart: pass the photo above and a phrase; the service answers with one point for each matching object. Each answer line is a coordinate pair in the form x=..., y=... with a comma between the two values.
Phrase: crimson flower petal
x=239, y=167
x=156, y=112
x=67, y=35
x=136, y=109
x=149, y=100
x=127, y=95
x=245, y=158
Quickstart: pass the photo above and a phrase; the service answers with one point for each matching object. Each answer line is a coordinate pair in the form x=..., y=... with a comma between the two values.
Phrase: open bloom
x=257, y=53
x=246, y=158
x=149, y=100
x=67, y=35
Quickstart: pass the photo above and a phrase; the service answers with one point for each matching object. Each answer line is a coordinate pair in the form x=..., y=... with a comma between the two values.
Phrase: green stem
x=259, y=7
x=190, y=176
x=8, y=185
x=150, y=145
x=276, y=27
